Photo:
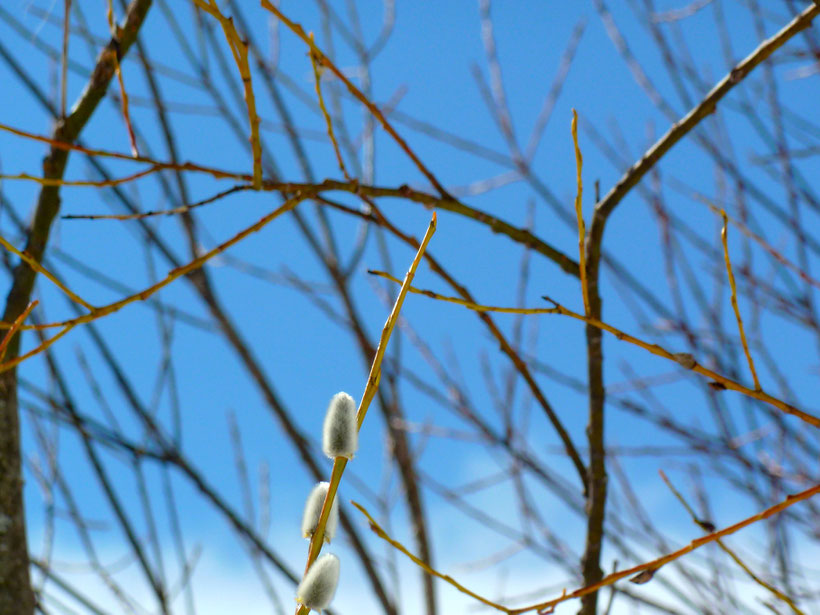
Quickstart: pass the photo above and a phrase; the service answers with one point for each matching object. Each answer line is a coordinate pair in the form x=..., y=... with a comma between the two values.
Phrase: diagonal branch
x=688, y=122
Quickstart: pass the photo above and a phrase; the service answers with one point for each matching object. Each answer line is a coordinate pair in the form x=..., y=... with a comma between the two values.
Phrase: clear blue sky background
x=307, y=356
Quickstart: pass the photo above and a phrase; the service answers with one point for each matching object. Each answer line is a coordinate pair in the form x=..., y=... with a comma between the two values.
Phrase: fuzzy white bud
x=340, y=436
x=317, y=588
x=313, y=510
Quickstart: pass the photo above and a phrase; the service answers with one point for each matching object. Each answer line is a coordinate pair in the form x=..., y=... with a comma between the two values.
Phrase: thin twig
x=765, y=245
x=325, y=61
x=377, y=529
x=709, y=528
x=724, y=234
x=36, y=266
x=239, y=50
x=317, y=540
x=14, y=328
x=579, y=212
x=182, y=209
x=64, y=57
x=317, y=76
x=115, y=35
x=684, y=360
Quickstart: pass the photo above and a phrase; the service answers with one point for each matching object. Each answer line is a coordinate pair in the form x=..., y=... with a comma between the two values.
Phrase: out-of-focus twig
x=724, y=234
x=682, y=359
x=708, y=528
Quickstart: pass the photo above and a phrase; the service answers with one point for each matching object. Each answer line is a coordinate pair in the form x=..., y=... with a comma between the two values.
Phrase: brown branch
x=16, y=597
x=655, y=564
x=597, y=476
x=688, y=122
x=496, y=225
x=595, y=430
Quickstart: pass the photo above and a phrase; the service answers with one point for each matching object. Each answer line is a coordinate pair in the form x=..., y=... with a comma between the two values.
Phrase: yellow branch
x=115, y=34
x=735, y=557
x=758, y=240
x=15, y=327
x=652, y=565
x=239, y=50
x=579, y=213
x=325, y=61
x=317, y=75
x=26, y=258
x=424, y=565
x=339, y=464
x=174, y=274
x=682, y=359
x=724, y=234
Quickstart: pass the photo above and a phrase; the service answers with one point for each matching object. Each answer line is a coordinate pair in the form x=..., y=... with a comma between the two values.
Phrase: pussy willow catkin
x=340, y=436
x=313, y=509
x=317, y=588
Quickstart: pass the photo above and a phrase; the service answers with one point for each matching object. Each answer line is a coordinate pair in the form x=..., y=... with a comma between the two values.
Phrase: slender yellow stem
x=239, y=50
x=727, y=550
x=377, y=529
x=26, y=258
x=377, y=113
x=317, y=76
x=682, y=359
x=579, y=212
x=112, y=25
x=15, y=327
x=724, y=234
x=64, y=57
x=392, y=319
x=372, y=386
x=775, y=254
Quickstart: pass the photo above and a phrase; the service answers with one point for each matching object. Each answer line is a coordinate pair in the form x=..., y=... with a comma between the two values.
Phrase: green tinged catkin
x=340, y=436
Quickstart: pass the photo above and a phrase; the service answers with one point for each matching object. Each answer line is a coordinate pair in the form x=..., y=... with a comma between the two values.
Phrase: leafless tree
x=701, y=371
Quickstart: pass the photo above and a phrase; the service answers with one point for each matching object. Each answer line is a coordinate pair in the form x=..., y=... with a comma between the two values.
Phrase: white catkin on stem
x=317, y=588
x=313, y=510
x=340, y=436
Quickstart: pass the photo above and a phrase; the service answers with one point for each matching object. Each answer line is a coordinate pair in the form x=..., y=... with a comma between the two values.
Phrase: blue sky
x=308, y=357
